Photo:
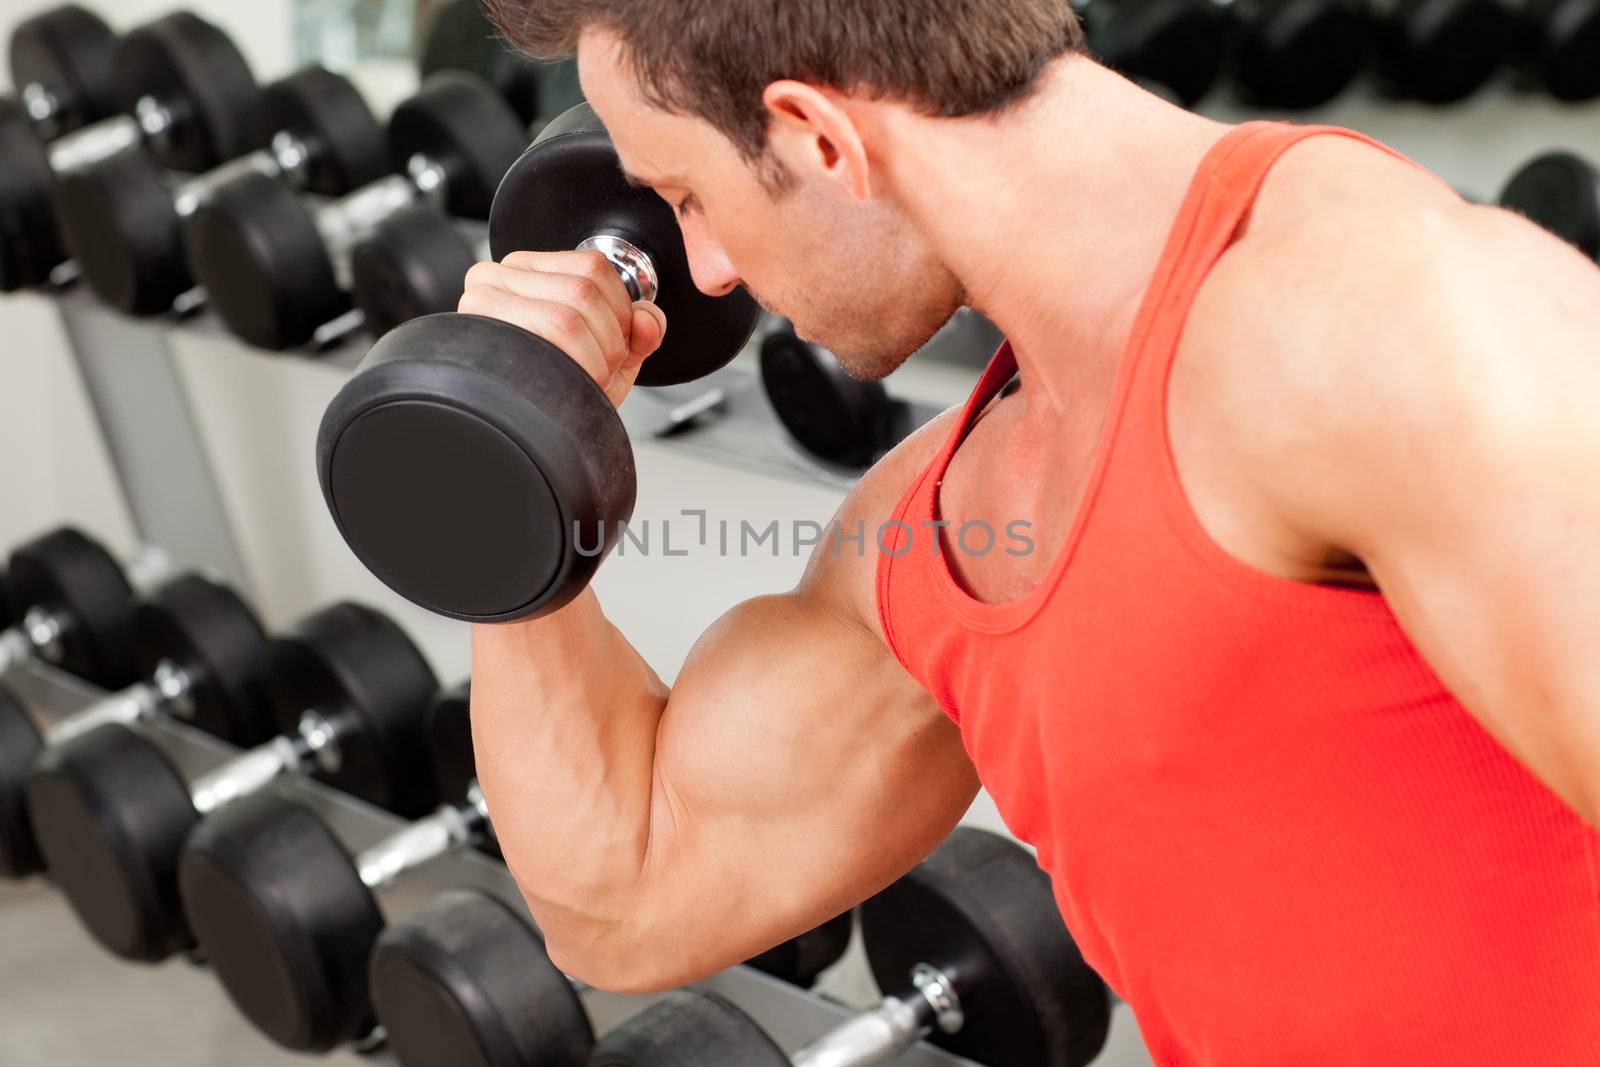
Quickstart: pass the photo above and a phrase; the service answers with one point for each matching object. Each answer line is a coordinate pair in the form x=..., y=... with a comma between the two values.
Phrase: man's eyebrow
x=640, y=182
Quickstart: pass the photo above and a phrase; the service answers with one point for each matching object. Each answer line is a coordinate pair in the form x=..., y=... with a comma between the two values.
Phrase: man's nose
x=709, y=264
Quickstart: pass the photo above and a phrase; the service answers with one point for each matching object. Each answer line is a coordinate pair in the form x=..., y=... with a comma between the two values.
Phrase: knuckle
x=473, y=302
x=479, y=274
x=597, y=268
x=519, y=260
x=582, y=290
x=565, y=322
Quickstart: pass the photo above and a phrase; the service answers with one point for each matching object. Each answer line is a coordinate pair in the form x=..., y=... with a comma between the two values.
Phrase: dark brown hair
x=714, y=58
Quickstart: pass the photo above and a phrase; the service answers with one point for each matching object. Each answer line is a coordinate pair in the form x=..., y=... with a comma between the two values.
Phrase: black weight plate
x=280, y=911
x=688, y=1028
x=835, y=417
x=1567, y=53
x=192, y=67
x=255, y=246
x=414, y=263
x=119, y=223
x=450, y=741
x=73, y=578
x=980, y=910
x=205, y=628
x=1296, y=54
x=30, y=242
x=1442, y=51
x=20, y=745
x=455, y=768
x=461, y=37
x=8, y=613
x=474, y=469
x=569, y=186
x=360, y=672
x=1177, y=44
x=466, y=982
x=69, y=52
x=325, y=112
x=110, y=812
x=800, y=960
x=1560, y=192
x=460, y=123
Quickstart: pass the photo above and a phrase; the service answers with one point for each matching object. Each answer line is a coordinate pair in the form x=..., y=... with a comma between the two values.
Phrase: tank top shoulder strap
x=1226, y=186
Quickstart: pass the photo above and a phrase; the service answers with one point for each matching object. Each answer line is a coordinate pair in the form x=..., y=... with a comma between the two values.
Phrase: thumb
x=649, y=329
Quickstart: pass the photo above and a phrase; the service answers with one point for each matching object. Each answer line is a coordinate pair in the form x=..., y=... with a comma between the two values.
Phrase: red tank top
x=1270, y=828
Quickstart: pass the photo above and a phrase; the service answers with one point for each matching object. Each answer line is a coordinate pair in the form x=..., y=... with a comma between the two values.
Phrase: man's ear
x=810, y=133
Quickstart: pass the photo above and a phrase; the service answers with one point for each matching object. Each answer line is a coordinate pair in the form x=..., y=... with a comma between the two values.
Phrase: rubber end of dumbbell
x=839, y=419
x=256, y=248
x=466, y=982
x=354, y=658
x=285, y=922
x=801, y=960
x=413, y=264
x=30, y=242
x=1566, y=57
x=1560, y=192
x=1179, y=47
x=326, y=113
x=206, y=628
x=185, y=59
x=20, y=745
x=68, y=572
x=1302, y=57
x=119, y=223
x=110, y=812
x=1443, y=53
x=455, y=767
x=688, y=1028
x=474, y=469
x=70, y=53
x=568, y=186
x=981, y=904
x=460, y=122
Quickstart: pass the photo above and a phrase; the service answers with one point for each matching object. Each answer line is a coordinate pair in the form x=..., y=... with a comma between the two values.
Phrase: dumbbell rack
x=158, y=454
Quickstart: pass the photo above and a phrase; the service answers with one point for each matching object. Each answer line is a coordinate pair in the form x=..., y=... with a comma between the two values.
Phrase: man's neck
x=1054, y=215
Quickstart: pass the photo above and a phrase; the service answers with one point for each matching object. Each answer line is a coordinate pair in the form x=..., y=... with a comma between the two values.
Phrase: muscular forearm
x=564, y=719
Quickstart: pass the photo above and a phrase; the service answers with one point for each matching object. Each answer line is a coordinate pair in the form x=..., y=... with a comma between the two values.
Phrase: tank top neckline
x=1006, y=615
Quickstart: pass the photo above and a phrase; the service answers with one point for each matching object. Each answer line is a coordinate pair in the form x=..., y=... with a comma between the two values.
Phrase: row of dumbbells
x=153, y=166
x=1297, y=54
x=263, y=890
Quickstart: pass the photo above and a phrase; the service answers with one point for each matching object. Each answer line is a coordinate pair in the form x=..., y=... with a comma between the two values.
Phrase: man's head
x=753, y=118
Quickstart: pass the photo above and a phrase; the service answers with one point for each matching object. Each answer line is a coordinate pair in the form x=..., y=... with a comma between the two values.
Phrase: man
x=1296, y=693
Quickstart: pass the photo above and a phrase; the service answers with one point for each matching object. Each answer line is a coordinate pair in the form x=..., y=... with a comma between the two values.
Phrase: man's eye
x=685, y=205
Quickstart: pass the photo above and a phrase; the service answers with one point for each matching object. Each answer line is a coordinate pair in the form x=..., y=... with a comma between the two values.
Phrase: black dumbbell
x=110, y=810
x=63, y=65
x=460, y=37
x=466, y=982
x=121, y=216
x=840, y=420
x=288, y=917
x=1558, y=45
x=798, y=961
x=1439, y=51
x=1560, y=192
x=1294, y=54
x=1179, y=45
x=203, y=654
x=277, y=269
x=979, y=962
x=466, y=458
x=190, y=99
x=412, y=264
x=74, y=606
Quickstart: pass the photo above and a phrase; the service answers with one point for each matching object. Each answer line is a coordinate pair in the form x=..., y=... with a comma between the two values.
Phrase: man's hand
x=577, y=302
